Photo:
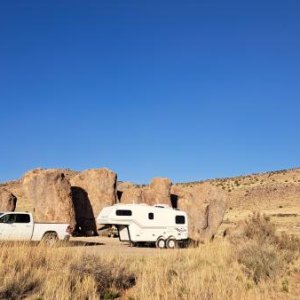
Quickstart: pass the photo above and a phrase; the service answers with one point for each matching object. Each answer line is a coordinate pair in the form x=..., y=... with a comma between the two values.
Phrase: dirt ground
x=103, y=245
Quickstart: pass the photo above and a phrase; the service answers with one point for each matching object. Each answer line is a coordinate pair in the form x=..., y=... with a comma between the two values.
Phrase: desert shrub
x=262, y=252
x=260, y=261
x=19, y=286
x=109, y=279
x=259, y=227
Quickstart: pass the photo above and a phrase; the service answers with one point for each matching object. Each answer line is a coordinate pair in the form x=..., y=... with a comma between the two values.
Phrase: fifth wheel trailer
x=141, y=223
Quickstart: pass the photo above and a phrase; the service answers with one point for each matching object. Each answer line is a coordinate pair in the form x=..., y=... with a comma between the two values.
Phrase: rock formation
x=124, y=185
x=50, y=194
x=205, y=206
x=132, y=195
x=7, y=200
x=158, y=191
x=92, y=190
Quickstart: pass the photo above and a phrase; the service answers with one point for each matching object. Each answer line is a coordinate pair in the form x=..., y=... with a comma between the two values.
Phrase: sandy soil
x=103, y=245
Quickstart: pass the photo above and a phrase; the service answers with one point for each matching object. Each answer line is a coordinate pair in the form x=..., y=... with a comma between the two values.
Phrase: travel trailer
x=140, y=223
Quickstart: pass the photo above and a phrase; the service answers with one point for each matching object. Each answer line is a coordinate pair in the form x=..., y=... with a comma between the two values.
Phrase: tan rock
x=158, y=191
x=50, y=194
x=205, y=206
x=92, y=190
x=122, y=186
x=7, y=200
x=132, y=195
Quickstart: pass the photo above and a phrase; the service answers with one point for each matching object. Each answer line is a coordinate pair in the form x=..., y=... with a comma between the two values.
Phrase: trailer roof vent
x=162, y=205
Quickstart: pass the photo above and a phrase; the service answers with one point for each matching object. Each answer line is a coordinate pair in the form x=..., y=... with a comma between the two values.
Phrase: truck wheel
x=50, y=239
x=171, y=243
x=160, y=243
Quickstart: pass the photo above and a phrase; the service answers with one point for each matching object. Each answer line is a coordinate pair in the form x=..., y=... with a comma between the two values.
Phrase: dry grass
x=261, y=266
x=263, y=253
x=59, y=273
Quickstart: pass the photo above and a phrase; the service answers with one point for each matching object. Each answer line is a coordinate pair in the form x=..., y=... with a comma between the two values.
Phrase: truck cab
x=16, y=226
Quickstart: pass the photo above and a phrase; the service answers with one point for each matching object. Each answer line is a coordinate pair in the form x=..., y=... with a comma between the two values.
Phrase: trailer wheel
x=171, y=243
x=160, y=243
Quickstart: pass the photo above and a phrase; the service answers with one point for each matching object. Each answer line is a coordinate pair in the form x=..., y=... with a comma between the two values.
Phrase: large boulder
x=132, y=195
x=158, y=191
x=50, y=195
x=8, y=200
x=124, y=185
x=92, y=190
x=205, y=206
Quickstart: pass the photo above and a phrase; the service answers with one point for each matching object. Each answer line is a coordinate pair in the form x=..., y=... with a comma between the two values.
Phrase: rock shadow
x=174, y=201
x=84, y=214
x=119, y=196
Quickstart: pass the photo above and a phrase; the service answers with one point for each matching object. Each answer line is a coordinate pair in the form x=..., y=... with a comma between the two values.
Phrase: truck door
x=6, y=227
x=23, y=227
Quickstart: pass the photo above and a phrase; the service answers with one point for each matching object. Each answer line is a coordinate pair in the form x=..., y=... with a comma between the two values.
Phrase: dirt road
x=103, y=245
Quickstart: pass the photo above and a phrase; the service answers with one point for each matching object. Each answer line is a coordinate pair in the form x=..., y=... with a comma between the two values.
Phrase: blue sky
x=184, y=89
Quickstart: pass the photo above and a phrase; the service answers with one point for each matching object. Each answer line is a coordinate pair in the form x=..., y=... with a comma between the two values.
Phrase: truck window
x=10, y=218
x=22, y=218
x=151, y=216
x=123, y=212
x=180, y=220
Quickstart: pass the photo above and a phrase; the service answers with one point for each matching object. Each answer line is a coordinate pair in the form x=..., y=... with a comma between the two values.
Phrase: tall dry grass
x=259, y=266
x=41, y=272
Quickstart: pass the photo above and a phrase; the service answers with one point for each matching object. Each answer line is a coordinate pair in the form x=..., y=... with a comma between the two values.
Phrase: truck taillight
x=69, y=229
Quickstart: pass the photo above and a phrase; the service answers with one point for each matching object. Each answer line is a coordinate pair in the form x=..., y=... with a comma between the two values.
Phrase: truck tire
x=50, y=239
x=171, y=243
x=160, y=243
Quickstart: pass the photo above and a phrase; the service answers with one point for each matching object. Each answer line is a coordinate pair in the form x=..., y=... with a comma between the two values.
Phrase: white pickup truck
x=19, y=226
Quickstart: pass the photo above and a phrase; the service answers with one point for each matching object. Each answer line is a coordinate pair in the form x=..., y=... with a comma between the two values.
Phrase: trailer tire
x=160, y=243
x=171, y=243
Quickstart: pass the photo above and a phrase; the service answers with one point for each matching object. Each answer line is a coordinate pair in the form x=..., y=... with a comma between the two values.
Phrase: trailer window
x=22, y=218
x=123, y=212
x=180, y=220
x=151, y=216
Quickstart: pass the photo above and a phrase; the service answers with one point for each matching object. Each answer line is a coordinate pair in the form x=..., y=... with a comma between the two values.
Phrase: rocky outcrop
x=50, y=195
x=158, y=191
x=92, y=190
x=124, y=185
x=205, y=206
x=132, y=195
x=8, y=200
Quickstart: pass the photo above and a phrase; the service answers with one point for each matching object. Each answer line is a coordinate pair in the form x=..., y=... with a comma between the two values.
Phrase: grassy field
x=259, y=265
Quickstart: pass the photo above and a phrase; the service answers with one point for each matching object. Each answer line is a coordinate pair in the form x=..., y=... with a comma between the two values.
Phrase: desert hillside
x=276, y=194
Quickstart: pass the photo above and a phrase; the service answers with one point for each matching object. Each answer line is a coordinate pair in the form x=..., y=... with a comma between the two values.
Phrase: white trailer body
x=136, y=223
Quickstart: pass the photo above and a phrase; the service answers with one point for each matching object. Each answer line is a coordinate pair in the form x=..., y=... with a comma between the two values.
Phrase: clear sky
x=184, y=89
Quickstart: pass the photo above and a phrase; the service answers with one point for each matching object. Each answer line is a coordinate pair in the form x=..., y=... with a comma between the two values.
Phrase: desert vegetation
x=257, y=264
